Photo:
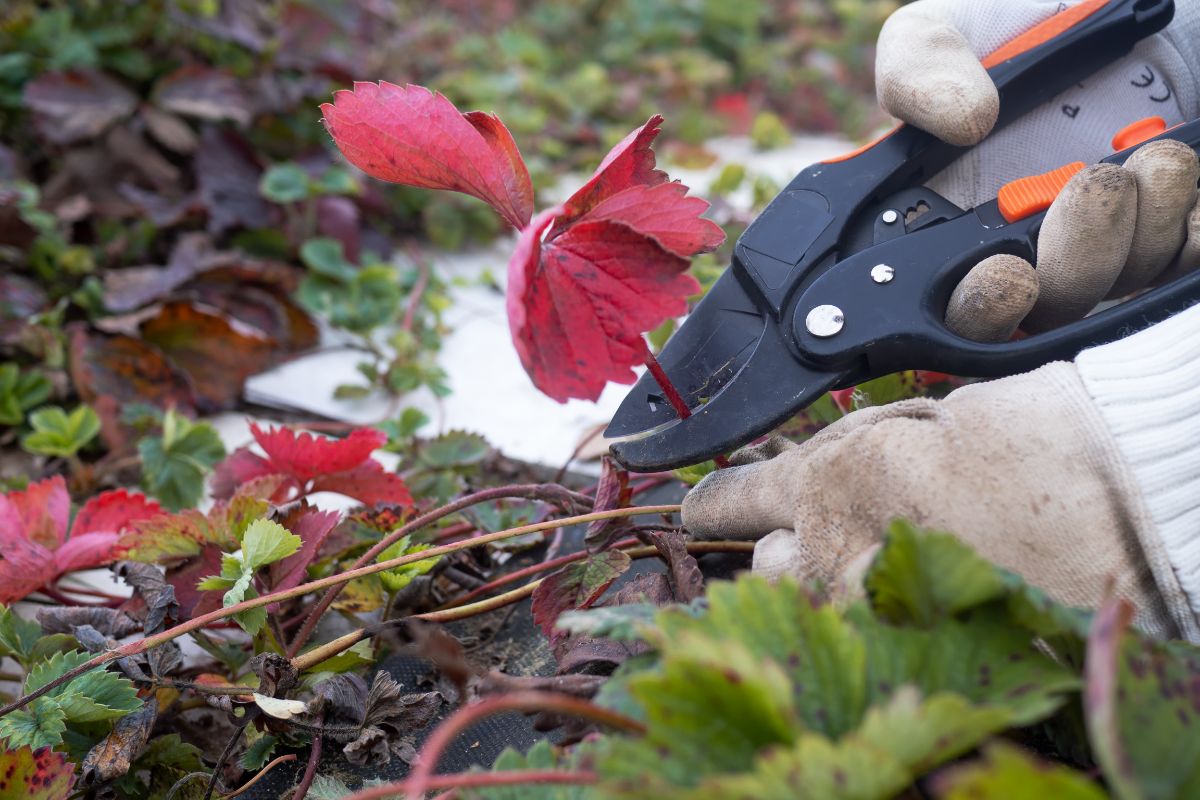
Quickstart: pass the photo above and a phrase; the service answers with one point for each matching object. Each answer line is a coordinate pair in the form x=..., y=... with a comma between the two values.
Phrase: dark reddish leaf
x=305, y=456
x=205, y=93
x=227, y=172
x=369, y=483
x=110, y=758
x=113, y=512
x=665, y=214
x=612, y=492
x=163, y=211
x=312, y=526
x=128, y=370
x=216, y=352
x=339, y=218
x=35, y=774
x=416, y=137
x=238, y=468
x=578, y=303
x=183, y=579
x=72, y=107
x=577, y=585
x=14, y=230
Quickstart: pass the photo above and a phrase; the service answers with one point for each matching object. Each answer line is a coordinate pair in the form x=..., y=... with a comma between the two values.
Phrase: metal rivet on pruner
x=882, y=273
x=825, y=321
x=891, y=217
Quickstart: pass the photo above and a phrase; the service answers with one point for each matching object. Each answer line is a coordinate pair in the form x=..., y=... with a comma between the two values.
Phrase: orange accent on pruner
x=1057, y=25
x=858, y=151
x=1140, y=131
x=1026, y=196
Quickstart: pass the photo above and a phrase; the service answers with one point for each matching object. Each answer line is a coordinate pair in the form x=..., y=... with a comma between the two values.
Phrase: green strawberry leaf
x=20, y=392
x=18, y=636
x=284, y=183
x=1006, y=773
x=175, y=464
x=397, y=578
x=266, y=542
x=56, y=433
x=39, y=724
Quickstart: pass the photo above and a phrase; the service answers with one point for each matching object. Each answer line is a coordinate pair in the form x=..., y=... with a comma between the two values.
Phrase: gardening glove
x=1113, y=230
x=1084, y=478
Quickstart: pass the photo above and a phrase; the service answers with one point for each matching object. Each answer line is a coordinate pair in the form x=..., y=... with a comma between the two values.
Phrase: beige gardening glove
x=1084, y=478
x=1113, y=230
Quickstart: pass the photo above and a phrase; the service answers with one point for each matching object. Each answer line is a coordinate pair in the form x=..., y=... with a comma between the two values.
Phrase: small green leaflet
x=263, y=543
x=397, y=578
x=18, y=636
x=1006, y=773
x=19, y=392
x=56, y=433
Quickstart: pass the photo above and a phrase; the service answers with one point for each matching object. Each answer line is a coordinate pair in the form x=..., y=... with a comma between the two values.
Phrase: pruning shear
x=846, y=275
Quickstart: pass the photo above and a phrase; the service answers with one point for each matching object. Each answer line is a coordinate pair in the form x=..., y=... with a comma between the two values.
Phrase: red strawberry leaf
x=85, y=551
x=664, y=213
x=238, y=468
x=630, y=163
x=305, y=456
x=369, y=483
x=576, y=585
x=38, y=514
x=24, y=568
x=410, y=135
x=111, y=512
x=35, y=774
x=578, y=303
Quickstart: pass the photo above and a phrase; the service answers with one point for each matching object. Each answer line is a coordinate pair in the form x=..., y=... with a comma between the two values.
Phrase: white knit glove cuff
x=1147, y=387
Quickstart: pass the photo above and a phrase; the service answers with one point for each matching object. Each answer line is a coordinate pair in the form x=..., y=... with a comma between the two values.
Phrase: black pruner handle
x=900, y=325
x=809, y=223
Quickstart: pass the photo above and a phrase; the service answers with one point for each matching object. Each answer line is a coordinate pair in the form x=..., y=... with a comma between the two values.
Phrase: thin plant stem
x=545, y=492
x=245, y=787
x=479, y=780
x=664, y=382
x=310, y=770
x=196, y=623
x=529, y=701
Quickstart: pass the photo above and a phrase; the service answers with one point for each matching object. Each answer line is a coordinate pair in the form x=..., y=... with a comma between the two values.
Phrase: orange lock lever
x=1027, y=196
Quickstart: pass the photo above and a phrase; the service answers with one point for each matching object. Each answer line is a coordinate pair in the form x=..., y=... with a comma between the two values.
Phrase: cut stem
x=664, y=382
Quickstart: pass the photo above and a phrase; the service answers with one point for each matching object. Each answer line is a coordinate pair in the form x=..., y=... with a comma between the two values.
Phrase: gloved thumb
x=926, y=74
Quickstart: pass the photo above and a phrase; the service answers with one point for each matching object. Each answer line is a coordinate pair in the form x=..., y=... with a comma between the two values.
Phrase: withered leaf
x=228, y=172
x=687, y=582
x=276, y=675
x=206, y=93
x=14, y=230
x=76, y=106
x=612, y=492
x=111, y=757
x=108, y=621
x=217, y=353
x=150, y=585
x=384, y=720
x=432, y=643
x=170, y=131
x=128, y=370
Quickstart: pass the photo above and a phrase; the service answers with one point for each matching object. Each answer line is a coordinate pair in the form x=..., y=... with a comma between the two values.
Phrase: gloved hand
x=1079, y=477
x=1113, y=230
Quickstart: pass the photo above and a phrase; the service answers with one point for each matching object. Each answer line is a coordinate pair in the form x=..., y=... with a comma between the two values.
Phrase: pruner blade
x=737, y=376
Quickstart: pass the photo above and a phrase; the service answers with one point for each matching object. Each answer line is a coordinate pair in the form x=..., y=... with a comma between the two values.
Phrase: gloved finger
x=739, y=502
x=1189, y=257
x=990, y=302
x=1166, y=172
x=926, y=74
x=781, y=553
x=765, y=450
x=1084, y=244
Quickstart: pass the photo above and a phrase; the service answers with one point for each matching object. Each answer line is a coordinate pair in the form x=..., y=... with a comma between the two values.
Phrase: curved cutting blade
x=735, y=373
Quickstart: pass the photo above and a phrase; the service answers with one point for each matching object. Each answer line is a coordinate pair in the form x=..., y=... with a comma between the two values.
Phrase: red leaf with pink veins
x=665, y=214
x=85, y=551
x=305, y=456
x=368, y=483
x=410, y=135
x=578, y=303
x=112, y=512
x=38, y=514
